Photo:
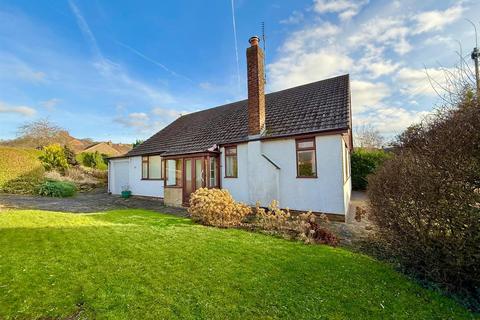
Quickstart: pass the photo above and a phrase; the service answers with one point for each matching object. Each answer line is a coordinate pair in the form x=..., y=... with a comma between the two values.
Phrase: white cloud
x=346, y=9
x=21, y=110
x=310, y=38
x=50, y=104
x=138, y=116
x=390, y=120
x=374, y=64
x=436, y=20
x=307, y=56
x=368, y=95
x=295, y=18
x=416, y=81
x=136, y=120
x=385, y=32
x=303, y=67
x=168, y=113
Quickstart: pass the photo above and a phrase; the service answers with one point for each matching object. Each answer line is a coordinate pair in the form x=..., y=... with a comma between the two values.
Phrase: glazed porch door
x=194, y=176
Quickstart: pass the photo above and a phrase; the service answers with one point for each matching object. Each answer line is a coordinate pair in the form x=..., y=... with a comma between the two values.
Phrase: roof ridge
x=267, y=94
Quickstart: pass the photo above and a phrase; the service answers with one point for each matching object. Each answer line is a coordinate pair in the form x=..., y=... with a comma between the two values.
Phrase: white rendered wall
x=259, y=180
x=139, y=187
x=238, y=187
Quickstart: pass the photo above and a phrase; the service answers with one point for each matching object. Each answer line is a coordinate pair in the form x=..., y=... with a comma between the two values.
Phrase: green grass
x=135, y=264
x=20, y=170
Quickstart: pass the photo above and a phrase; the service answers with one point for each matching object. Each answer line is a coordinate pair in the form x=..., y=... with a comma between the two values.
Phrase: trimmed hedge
x=57, y=189
x=365, y=162
x=20, y=170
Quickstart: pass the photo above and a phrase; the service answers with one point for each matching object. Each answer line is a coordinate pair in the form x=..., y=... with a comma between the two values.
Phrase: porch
x=186, y=173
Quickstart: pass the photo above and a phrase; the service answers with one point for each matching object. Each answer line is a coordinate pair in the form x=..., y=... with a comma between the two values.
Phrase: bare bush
x=425, y=201
x=306, y=227
x=216, y=207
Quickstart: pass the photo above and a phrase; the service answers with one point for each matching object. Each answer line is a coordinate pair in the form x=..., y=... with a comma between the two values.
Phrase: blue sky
x=121, y=70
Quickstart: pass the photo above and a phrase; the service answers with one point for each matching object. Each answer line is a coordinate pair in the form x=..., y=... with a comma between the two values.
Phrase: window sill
x=143, y=179
x=174, y=187
x=302, y=177
x=231, y=177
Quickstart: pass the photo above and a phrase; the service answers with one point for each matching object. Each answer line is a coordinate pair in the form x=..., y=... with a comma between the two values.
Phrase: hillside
x=20, y=169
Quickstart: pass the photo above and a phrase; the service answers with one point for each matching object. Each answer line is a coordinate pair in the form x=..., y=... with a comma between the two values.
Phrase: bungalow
x=292, y=146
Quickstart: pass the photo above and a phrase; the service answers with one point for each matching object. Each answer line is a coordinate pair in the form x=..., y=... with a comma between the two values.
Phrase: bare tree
x=458, y=82
x=40, y=133
x=366, y=136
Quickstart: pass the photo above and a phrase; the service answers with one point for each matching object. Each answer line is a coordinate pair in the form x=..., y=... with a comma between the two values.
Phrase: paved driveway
x=95, y=201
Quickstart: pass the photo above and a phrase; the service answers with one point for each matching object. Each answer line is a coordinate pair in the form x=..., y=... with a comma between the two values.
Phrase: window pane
x=178, y=171
x=213, y=172
x=171, y=176
x=231, y=166
x=306, y=163
x=306, y=144
x=198, y=173
x=231, y=151
x=144, y=170
x=155, y=167
x=188, y=176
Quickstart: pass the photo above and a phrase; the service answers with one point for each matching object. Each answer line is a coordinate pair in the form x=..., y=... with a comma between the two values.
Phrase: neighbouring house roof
x=314, y=107
x=108, y=148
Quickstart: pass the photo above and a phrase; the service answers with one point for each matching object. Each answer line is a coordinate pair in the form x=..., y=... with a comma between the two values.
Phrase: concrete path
x=95, y=201
x=352, y=230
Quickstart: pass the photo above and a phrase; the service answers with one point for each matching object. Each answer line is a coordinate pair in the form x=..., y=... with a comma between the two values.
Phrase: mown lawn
x=135, y=264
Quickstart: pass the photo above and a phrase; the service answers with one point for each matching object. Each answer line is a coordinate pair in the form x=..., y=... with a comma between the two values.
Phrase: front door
x=194, y=176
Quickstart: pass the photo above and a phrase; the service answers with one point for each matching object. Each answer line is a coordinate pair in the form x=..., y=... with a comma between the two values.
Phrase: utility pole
x=476, y=57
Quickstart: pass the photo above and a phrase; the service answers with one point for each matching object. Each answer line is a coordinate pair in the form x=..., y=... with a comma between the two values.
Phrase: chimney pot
x=254, y=41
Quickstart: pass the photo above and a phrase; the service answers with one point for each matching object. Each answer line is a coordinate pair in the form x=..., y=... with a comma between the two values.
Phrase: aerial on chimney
x=256, y=88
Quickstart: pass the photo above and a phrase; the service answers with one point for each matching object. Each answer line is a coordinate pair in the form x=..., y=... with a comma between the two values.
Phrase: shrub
x=54, y=158
x=52, y=188
x=216, y=207
x=93, y=160
x=306, y=227
x=425, y=201
x=365, y=162
x=70, y=156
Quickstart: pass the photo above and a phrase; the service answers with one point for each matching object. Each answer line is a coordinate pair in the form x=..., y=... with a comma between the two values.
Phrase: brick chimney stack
x=256, y=88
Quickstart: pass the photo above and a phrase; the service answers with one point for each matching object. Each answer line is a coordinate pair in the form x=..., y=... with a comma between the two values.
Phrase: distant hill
x=77, y=145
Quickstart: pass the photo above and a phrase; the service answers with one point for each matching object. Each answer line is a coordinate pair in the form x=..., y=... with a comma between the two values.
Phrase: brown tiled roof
x=314, y=107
